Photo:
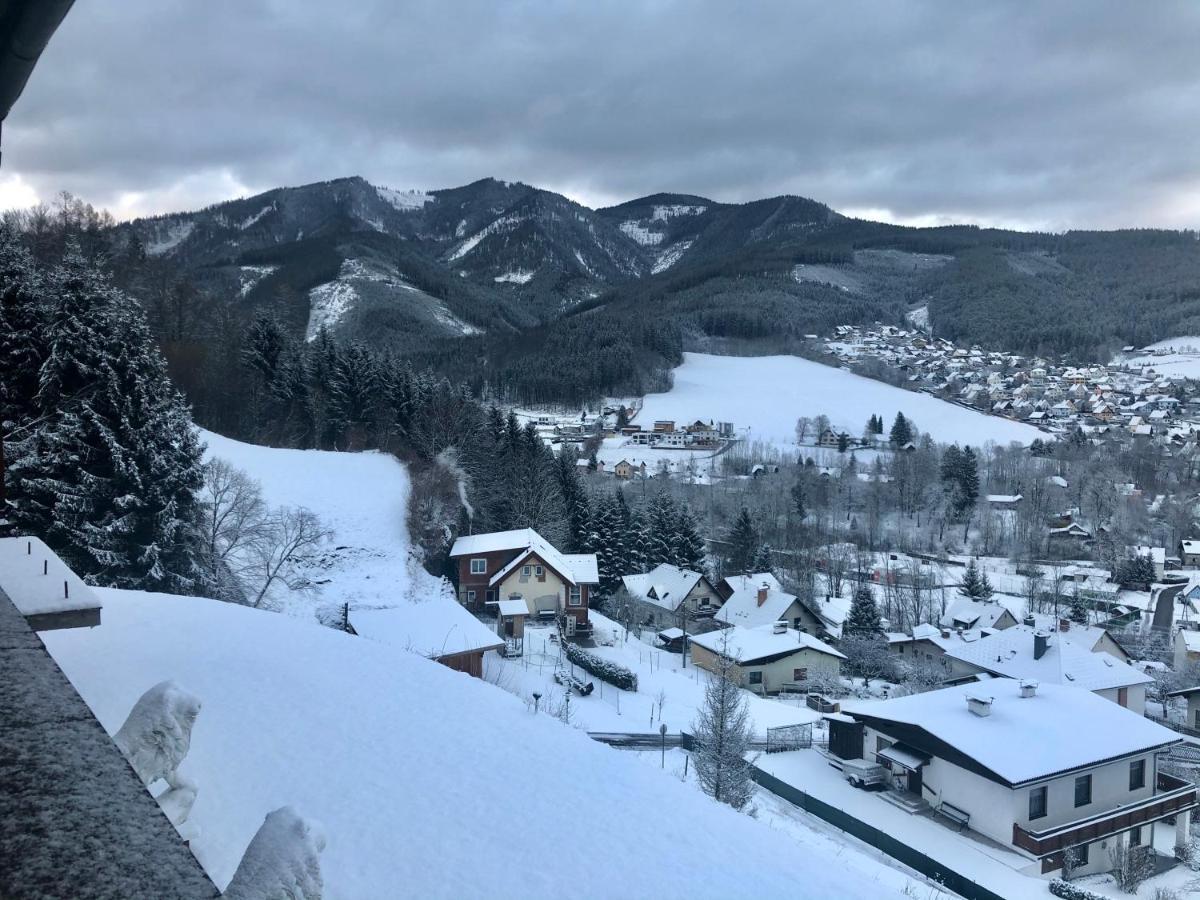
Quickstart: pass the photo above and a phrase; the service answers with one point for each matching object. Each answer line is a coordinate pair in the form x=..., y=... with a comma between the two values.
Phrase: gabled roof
x=1009, y=653
x=576, y=568
x=967, y=613
x=1024, y=739
x=760, y=644
x=664, y=585
x=742, y=606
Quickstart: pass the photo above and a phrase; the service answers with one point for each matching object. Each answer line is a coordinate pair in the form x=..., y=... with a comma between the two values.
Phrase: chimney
x=946, y=633
x=1028, y=687
x=1041, y=642
x=779, y=627
x=1064, y=624
x=980, y=706
x=1029, y=621
x=762, y=594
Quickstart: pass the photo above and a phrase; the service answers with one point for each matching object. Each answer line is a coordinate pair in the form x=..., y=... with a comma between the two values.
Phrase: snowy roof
x=664, y=585
x=577, y=568
x=969, y=613
x=433, y=628
x=743, y=608
x=1024, y=738
x=748, y=645
x=22, y=560
x=510, y=607
x=1191, y=640
x=389, y=752
x=1191, y=546
x=1010, y=653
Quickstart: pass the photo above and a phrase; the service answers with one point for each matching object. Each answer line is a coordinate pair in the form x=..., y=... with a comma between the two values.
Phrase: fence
x=914, y=859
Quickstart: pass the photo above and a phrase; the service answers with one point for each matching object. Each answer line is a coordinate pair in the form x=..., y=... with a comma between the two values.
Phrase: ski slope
x=768, y=393
x=363, y=498
x=425, y=782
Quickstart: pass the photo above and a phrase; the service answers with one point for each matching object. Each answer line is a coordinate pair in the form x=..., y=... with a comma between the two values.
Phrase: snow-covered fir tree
x=864, y=614
x=742, y=545
x=975, y=584
x=722, y=736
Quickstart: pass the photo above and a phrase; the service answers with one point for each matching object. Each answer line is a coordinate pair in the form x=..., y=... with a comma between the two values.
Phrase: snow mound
x=429, y=783
x=404, y=200
x=156, y=736
x=283, y=860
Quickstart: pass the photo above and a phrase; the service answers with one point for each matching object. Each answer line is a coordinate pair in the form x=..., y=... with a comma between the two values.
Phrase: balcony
x=1172, y=795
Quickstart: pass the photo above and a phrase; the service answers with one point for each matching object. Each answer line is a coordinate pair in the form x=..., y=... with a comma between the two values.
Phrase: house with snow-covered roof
x=668, y=594
x=1027, y=652
x=1042, y=769
x=928, y=645
x=43, y=588
x=1187, y=649
x=523, y=565
x=437, y=629
x=760, y=600
x=967, y=613
x=767, y=658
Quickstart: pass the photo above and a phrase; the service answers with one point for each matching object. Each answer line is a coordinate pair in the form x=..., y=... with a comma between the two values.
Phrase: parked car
x=866, y=775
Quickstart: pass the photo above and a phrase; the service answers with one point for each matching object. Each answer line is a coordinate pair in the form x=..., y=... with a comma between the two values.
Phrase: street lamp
x=662, y=730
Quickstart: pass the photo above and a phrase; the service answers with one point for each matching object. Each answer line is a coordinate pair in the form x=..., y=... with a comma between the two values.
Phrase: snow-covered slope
x=768, y=393
x=428, y=783
x=1178, y=357
x=363, y=498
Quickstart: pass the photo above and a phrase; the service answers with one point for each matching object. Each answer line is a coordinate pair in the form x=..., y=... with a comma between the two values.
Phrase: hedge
x=1068, y=891
x=608, y=671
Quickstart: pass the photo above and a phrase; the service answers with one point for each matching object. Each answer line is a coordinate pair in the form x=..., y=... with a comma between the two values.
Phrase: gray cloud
x=1073, y=114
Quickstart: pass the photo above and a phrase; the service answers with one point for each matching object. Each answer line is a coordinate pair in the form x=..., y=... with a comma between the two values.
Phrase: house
x=1189, y=552
x=437, y=629
x=522, y=565
x=668, y=595
x=1004, y=501
x=929, y=644
x=760, y=600
x=1192, y=696
x=1158, y=556
x=829, y=438
x=43, y=588
x=768, y=658
x=966, y=613
x=1039, y=768
x=1027, y=652
x=1092, y=638
x=626, y=470
x=1187, y=649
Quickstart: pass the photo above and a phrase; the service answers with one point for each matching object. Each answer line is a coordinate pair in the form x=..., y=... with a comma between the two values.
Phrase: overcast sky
x=1070, y=114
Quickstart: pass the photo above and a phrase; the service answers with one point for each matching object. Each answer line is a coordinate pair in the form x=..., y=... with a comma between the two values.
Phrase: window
x=1080, y=854
x=1037, y=802
x=1122, y=696
x=470, y=596
x=799, y=675
x=525, y=571
x=756, y=677
x=1135, y=836
x=1137, y=775
x=575, y=596
x=881, y=743
x=479, y=567
x=1083, y=790
x=539, y=571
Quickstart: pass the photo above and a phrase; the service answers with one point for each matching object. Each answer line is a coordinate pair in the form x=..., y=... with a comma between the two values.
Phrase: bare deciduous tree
x=288, y=537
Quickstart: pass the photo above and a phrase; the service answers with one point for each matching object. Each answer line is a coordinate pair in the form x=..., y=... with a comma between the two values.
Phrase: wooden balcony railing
x=1171, y=795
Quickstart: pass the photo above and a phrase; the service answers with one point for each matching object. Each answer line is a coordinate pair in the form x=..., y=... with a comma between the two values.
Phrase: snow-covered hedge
x=602, y=668
x=1068, y=891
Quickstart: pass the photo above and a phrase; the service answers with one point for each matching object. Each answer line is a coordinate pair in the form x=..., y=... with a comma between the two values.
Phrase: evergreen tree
x=800, y=498
x=741, y=545
x=662, y=519
x=1078, y=612
x=864, y=614
x=901, y=432
x=762, y=560
x=975, y=585
x=843, y=442
x=689, y=552
x=722, y=736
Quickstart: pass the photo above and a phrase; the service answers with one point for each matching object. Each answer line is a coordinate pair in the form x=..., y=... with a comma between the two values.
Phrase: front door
x=914, y=782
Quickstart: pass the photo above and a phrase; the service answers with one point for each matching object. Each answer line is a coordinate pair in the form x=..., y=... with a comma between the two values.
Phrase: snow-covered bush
x=611, y=672
x=282, y=860
x=1068, y=891
x=158, y=733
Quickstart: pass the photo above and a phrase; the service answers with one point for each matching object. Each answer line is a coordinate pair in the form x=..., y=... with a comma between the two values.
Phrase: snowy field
x=768, y=393
x=426, y=783
x=363, y=498
x=1183, y=358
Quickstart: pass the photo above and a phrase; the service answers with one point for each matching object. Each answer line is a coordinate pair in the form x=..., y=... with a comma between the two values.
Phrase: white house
x=437, y=629
x=760, y=600
x=1028, y=652
x=668, y=593
x=1044, y=769
x=768, y=658
x=1187, y=648
x=967, y=613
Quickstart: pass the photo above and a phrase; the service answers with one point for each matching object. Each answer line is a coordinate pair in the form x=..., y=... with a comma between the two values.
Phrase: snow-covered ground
x=426, y=783
x=768, y=393
x=363, y=498
x=1175, y=356
x=667, y=692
